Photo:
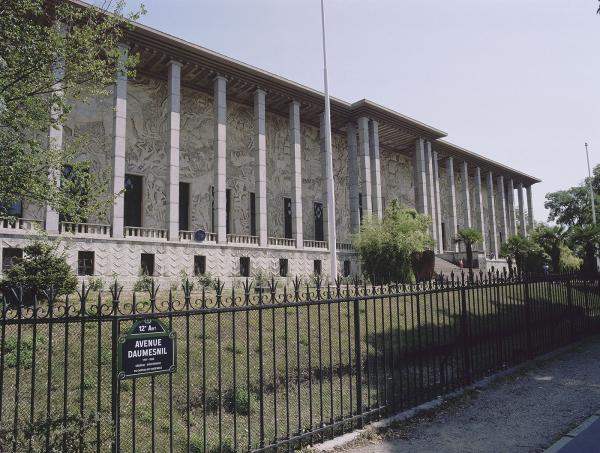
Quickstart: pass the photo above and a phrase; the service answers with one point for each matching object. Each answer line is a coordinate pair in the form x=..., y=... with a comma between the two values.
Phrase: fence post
x=464, y=330
x=528, y=317
x=571, y=311
x=115, y=292
x=588, y=320
x=357, y=353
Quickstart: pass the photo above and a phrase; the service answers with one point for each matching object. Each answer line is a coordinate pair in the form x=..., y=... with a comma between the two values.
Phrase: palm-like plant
x=552, y=239
x=528, y=255
x=469, y=236
x=588, y=238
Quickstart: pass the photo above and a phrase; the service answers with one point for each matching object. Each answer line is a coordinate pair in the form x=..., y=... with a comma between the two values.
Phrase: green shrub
x=241, y=401
x=385, y=247
x=95, y=284
x=206, y=280
x=41, y=269
x=143, y=283
x=569, y=262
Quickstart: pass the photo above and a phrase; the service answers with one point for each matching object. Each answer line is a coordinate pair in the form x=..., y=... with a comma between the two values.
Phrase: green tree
x=573, y=206
x=587, y=238
x=526, y=253
x=552, y=239
x=51, y=55
x=42, y=268
x=469, y=237
x=385, y=247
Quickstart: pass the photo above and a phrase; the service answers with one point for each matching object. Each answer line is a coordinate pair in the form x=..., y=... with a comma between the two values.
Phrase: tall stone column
x=174, y=102
x=502, y=207
x=512, y=219
x=430, y=190
x=55, y=141
x=522, y=226
x=453, y=227
x=438, y=202
x=464, y=170
x=353, y=177
x=375, y=169
x=260, y=167
x=529, y=208
x=296, y=154
x=119, y=145
x=420, y=178
x=479, y=208
x=323, y=147
x=328, y=190
x=492, y=216
x=220, y=158
x=365, y=165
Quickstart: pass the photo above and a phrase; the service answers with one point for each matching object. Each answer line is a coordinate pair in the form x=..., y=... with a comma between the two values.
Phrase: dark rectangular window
x=16, y=210
x=228, y=211
x=10, y=256
x=360, y=207
x=244, y=266
x=133, y=200
x=287, y=218
x=346, y=268
x=199, y=265
x=283, y=267
x=444, y=245
x=318, y=214
x=212, y=208
x=147, y=264
x=317, y=267
x=184, y=206
x=252, y=214
x=85, y=263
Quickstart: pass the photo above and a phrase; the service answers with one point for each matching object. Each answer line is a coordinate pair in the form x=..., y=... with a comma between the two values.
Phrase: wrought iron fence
x=267, y=368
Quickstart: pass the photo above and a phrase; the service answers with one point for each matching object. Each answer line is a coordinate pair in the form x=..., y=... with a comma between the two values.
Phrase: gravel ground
x=524, y=412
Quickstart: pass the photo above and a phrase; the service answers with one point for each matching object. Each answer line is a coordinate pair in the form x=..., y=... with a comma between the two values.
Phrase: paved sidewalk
x=525, y=412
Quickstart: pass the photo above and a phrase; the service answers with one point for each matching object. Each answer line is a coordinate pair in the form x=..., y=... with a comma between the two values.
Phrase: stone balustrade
x=22, y=224
x=309, y=244
x=85, y=229
x=242, y=239
x=145, y=233
x=345, y=246
x=188, y=236
x=282, y=242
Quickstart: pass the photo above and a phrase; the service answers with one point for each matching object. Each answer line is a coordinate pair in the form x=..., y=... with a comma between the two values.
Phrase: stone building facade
x=203, y=142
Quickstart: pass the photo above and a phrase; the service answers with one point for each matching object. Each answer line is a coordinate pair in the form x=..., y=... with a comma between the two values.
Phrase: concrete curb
x=563, y=441
x=345, y=439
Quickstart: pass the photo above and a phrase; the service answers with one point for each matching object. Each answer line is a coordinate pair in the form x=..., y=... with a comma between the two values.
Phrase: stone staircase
x=445, y=267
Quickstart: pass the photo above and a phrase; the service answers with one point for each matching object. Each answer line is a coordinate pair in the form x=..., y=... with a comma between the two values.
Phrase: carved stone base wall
x=121, y=259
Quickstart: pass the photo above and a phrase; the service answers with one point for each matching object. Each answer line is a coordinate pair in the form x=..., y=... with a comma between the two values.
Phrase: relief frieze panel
x=146, y=153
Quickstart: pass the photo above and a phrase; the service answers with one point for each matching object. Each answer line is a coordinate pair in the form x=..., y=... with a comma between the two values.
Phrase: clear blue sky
x=516, y=81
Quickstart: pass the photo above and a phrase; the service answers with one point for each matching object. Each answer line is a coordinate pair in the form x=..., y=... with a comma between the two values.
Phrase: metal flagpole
x=587, y=155
x=329, y=165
